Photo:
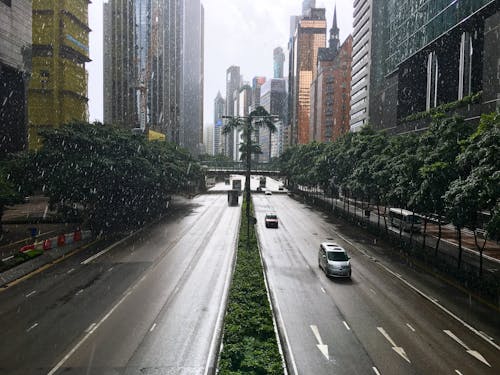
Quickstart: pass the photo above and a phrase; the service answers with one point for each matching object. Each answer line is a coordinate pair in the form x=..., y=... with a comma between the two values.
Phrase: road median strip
x=249, y=343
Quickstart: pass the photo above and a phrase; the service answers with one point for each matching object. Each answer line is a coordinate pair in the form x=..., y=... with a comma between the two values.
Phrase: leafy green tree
x=438, y=148
x=9, y=193
x=478, y=188
x=115, y=179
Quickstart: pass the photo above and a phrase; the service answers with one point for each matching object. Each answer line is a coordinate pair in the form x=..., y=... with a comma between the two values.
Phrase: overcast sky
x=237, y=32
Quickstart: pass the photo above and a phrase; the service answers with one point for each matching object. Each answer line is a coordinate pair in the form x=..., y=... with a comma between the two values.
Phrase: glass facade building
x=309, y=37
x=427, y=53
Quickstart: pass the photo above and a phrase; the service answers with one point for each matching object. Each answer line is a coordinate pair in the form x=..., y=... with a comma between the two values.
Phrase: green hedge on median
x=249, y=340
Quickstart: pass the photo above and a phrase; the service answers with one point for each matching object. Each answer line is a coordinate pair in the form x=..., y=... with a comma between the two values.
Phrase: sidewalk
x=18, y=221
x=448, y=233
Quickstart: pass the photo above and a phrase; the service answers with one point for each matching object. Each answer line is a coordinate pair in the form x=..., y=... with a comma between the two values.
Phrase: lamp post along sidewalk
x=257, y=118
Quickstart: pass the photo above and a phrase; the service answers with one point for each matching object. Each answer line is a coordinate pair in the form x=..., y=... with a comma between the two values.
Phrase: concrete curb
x=32, y=265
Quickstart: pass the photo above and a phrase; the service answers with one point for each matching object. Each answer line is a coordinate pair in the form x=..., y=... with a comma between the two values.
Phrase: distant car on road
x=268, y=192
x=271, y=220
x=333, y=260
x=280, y=187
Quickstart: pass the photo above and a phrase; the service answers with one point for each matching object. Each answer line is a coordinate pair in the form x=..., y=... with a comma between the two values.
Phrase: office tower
x=242, y=109
x=219, y=111
x=15, y=69
x=191, y=109
x=274, y=99
x=208, y=139
x=153, y=75
x=142, y=73
x=361, y=62
x=278, y=62
x=425, y=55
x=309, y=36
x=58, y=87
x=257, y=83
x=307, y=5
x=330, y=90
x=233, y=83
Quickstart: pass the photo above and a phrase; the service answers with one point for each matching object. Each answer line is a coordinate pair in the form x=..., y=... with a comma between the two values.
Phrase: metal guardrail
x=239, y=167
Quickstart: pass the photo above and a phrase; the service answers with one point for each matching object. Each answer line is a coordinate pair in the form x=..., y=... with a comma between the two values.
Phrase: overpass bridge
x=227, y=168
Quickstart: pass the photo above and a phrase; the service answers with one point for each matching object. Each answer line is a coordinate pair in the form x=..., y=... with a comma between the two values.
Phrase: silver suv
x=333, y=260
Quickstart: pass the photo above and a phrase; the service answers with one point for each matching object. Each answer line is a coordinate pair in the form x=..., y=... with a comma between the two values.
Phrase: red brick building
x=331, y=89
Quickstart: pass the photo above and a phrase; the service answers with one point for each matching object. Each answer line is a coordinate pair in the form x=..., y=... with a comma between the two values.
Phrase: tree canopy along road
x=151, y=304
x=387, y=319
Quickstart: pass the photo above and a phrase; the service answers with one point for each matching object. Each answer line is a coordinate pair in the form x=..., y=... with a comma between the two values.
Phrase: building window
x=7, y=2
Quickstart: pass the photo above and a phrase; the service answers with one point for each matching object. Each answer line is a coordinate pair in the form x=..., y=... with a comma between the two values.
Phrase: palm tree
x=256, y=119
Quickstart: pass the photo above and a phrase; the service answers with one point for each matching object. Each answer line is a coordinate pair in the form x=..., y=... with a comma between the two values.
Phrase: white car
x=268, y=192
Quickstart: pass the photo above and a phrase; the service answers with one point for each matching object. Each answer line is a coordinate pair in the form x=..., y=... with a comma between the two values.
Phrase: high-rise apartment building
x=425, y=54
x=219, y=111
x=278, y=62
x=361, y=63
x=309, y=36
x=330, y=90
x=58, y=86
x=15, y=68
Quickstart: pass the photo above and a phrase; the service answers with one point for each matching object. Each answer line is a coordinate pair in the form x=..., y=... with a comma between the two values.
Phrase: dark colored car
x=271, y=221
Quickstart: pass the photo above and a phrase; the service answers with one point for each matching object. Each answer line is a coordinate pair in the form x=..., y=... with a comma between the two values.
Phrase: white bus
x=405, y=219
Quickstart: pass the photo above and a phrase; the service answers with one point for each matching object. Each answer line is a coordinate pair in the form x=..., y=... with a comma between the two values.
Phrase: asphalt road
x=150, y=305
x=382, y=321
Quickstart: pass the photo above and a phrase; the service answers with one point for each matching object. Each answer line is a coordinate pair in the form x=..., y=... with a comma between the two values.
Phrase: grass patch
x=249, y=341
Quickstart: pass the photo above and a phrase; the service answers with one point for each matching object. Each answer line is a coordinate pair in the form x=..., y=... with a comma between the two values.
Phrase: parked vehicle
x=333, y=260
x=232, y=197
x=268, y=192
x=405, y=219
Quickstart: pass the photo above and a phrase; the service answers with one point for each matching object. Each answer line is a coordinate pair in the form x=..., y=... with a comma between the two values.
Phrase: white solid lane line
x=410, y=327
x=91, y=327
x=33, y=326
x=8, y=258
x=30, y=294
x=397, y=349
x=323, y=290
x=473, y=353
x=346, y=325
x=432, y=300
x=375, y=370
x=93, y=257
x=152, y=327
x=458, y=372
x=71, y=270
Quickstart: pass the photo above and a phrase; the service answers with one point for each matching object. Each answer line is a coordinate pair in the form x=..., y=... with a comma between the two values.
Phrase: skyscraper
x=153, y=67
x=274, y=99
x=191, y=109
x=15, y=69
x=257, y=83
x=278, y=62
x=425, y=55
x=330, y=90
x=309, y=36
x=219, y=111
x=142, y=72
x=233, y=84
x=361, y=61
x=58, y=88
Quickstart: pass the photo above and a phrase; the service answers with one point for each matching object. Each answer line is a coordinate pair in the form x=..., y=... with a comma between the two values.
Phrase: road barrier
x=57, y=241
